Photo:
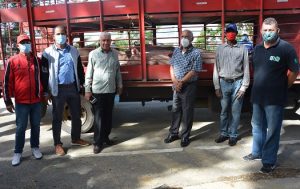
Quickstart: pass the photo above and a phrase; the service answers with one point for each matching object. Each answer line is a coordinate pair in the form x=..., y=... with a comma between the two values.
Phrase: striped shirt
x=185, y=62
x=232, y=62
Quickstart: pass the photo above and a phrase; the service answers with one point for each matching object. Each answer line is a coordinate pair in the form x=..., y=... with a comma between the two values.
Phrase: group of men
x=59, y=76
x=275, y=66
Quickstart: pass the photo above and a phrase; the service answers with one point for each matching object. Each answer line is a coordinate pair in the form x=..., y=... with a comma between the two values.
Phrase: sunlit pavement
x=140, y=159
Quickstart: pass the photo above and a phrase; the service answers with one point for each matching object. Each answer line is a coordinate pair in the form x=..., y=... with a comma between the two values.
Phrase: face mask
x=185, y=42
x=230, y=36
x=25, y=48
x=269, y=36
x=245, y=38
x=60, y=39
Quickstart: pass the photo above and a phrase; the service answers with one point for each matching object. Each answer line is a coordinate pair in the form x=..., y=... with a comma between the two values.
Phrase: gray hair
x=105, y=35
x=189, y=32
x=271, y=21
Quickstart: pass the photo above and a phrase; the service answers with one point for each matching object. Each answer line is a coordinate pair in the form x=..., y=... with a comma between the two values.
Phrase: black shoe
x=251, y=157
x=109, y=142
x=267, y=168
x=184, y=142
x=97, y=149
x=221, y=138
x=171, y=138
x=232, y=141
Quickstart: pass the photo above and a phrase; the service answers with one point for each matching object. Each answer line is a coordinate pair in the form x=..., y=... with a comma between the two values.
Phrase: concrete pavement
x=141, y=160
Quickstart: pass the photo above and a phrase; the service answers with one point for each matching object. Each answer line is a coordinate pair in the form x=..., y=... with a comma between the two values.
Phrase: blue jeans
x=266, y=125
x=231, y=108
x=23, y=111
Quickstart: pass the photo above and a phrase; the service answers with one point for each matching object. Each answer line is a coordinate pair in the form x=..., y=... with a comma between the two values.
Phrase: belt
x=229, y=80
x=66, y=85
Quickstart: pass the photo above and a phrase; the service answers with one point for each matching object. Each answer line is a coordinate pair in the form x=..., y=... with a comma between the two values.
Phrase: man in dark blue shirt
x=271, y=61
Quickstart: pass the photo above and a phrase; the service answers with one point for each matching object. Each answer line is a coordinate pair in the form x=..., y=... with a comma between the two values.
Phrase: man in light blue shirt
x=62, y=68
x=66, y=66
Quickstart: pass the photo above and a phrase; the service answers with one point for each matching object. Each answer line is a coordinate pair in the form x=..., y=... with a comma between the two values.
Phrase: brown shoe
x=59, y=150
x=80, y=142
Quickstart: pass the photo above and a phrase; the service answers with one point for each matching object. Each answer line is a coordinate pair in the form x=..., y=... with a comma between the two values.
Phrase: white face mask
x=185, y=42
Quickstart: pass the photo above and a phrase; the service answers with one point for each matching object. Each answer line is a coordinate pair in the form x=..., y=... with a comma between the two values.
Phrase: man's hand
x=10, y=108
x=119, y=90
x=87, y=95
x=240, y=94
x=219, y=93
x=179, y=86
x=47, y=98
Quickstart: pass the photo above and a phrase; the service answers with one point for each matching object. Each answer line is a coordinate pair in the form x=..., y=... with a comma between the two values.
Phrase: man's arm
x=293, y=66
x=216, y=79
x=44, y=71
x=89, y=78
x=246, y=76
x=8, y=87
x=292, y=76
x=80, y=71
x=119, y=80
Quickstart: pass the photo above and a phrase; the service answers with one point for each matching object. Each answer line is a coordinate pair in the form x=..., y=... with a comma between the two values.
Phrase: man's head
x=231, y=32
x=187, y=38
x=270, y=30
x=245, y=38
x=24, y=43
x=60, y=35
x=105, y=41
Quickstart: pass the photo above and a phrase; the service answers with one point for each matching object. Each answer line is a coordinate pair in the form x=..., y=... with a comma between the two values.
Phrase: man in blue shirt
x=247, y=43
x=271, y=62
x=61, y=65
x=185, y=66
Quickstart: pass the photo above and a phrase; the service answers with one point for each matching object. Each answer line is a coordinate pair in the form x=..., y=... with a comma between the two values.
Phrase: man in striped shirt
x=185, y=66
x=231, y=79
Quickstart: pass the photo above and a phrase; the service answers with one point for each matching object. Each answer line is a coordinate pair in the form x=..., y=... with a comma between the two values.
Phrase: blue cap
x=231, y=27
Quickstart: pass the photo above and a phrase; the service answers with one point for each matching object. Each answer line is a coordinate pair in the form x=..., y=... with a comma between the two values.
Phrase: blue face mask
x=60, y=39
x=244, y=38
x=269, y=36
x=25, y=48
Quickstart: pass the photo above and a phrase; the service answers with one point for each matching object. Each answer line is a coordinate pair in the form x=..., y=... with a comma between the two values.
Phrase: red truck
x=145, y=31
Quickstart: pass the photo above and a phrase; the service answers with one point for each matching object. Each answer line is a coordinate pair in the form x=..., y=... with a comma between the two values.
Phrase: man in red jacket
x=22, y=81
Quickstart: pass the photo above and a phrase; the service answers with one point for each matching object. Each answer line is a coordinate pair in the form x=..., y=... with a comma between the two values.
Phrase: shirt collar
x=235, y=45
x=190, y=48
x=105, y=51
x=67, y=47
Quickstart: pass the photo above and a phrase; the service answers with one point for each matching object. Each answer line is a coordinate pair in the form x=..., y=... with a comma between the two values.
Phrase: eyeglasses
x=25, y=42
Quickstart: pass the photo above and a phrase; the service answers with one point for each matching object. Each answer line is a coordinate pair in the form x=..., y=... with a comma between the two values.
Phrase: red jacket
x=22, y=80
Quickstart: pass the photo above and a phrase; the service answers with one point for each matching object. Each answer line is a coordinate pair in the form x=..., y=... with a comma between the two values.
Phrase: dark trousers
x=66, y=94
x=103, y=116
x=183, y=110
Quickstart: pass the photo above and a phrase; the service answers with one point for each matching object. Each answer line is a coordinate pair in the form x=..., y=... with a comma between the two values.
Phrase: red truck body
x=143, y=81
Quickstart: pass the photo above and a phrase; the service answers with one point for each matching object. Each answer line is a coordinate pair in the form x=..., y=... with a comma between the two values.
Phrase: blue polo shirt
x=184, y=62
x=66, y=66
x=270, y=82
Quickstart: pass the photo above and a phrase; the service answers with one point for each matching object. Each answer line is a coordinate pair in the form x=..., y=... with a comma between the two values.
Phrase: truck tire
x=87, y=117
